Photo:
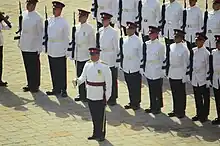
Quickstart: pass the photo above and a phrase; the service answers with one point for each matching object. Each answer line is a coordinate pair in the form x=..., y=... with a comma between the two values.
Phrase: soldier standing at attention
x=213, y=24
x=109, y=45
x=132, y=50
x=31, y=45
x=199, y=78
x=151, y=15
x=194, y=23
x=58, y=43
x=216, y=78
x=3, y=26
x=85, y=38
x=153, y=70
x=173, y=18
x=179, y=60
x=99, y=86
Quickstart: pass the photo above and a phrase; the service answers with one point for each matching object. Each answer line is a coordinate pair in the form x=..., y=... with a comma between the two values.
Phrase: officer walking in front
x=213, y=24
x=216, y=78
x=109, y=45
x=194, y=23
x=199, y=81
x=3, y=26
x=151, y=15
x=58, y=42
x=132, y=52
x=85, y=38
x=179, y=61
x=31, y=45
x=153, y=70
x=98, y=77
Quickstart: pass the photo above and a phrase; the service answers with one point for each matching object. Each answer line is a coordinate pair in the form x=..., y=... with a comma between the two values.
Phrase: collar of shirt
x=132, y=36
x=154, y=41
x=200, y=49
x=106, y=28
x=83, y=24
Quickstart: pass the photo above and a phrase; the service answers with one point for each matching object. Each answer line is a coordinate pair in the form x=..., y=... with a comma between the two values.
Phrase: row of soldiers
x=148, y=57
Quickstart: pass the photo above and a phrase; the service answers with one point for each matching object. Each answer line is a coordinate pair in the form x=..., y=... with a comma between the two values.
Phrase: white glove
x=208, y=84
x=141, y=71
x=185, y=79
x=68, y=54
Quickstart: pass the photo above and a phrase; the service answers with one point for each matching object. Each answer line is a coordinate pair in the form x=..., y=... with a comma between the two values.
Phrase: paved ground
x=35, y=119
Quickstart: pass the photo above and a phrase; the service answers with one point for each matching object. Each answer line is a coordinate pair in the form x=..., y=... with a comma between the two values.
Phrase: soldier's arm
x=200, y=19
x=40, y=31
x=180, y=16
x=108, y=82
x=66, y=35
x=158, y=13
x=186, y=59
x=91, y=37
x=140, y=50
x=115, y=43
x=207, y=63
x=82, y=77
x=162, y=53
x=115, y=10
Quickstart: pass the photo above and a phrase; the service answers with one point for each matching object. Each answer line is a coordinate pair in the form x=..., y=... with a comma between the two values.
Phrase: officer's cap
x=105, y=15
x=131, y=24
x=94, y=50
x=216, y=1
x=179, y=32
x=201, y=36
x=154, y=29
x=83, y=12
x=32, y=1
x=57, y=4
x=217, y=38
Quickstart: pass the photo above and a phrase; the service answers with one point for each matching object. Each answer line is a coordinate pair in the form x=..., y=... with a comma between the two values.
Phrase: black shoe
x=3, y=84
x=137, y=107
x=112, y=103
x=26, y=89
x=34, y=90
x=195, y=118
x=78, y=99
x=92, y=137
x=84, y=100
x=180, y=116
x=52, y=92
x=128, y=106
x=100, y=139
x=172, y=114
x=216, y=121
x=64, y=94
x=204, y=119
x=148, y=110
x=156, y=112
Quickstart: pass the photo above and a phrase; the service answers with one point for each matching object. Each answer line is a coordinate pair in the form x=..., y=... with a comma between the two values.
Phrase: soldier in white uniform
x=109, y=45
x=153, y=70
x=85, y=38
x=200, y=68
x=213, y=24
x=194, y=23
x=179, y=60
x=173, y=18
x=216, y=78
x=58, y=42
x=97, y=76
x=106, y=6
x=3, y=26
x=31, y=45
x=129, y=12
x=151, y=15
x=132, y=52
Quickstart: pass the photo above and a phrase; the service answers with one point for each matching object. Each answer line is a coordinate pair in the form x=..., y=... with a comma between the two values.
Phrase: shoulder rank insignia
x=103, y=62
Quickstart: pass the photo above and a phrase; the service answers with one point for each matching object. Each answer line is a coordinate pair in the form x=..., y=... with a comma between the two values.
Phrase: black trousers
x=179, y=96
x=190, y=45
x=58, y=73
x=133, y=81
x=217, y=100
x=1, y=62
x=156, y=94
x=114, y=95
x=202, y=98
x=82, y=87
x=97, y=111
x=32, y=68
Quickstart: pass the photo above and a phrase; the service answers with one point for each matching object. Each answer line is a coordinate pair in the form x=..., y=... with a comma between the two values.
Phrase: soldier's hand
x=74, y=83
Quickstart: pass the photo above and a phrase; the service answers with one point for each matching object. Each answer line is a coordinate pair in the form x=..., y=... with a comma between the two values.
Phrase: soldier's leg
x=199, y=103
x=128, y=82
x=101, y=116
x=217, y=103
x=53, y=66
x=136, y=89
x=1, y=62
x=93, y=109
x=181, y=101
x=112, y=100
x=206, y=102
x=38, y=72
x=152, y=95
x=63, y=76
x=33, y=71
x=81, y=88
x=174, y=86
x=159, y=93
x=26, y=60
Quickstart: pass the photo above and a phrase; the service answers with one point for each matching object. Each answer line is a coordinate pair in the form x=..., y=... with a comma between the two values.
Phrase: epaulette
x=103, y=62
x=89, y=61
